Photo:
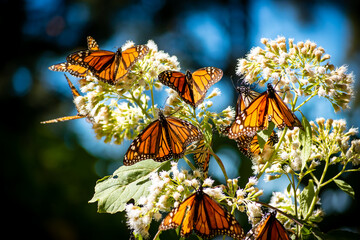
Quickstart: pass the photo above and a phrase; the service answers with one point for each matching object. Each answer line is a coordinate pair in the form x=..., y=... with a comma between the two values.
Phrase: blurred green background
x=49, y=171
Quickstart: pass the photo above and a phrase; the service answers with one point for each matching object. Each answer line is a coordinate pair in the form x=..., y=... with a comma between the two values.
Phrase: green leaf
x=305, y=138
x=345, y=187
x=128, y=182
x=264, y=135
x=306, y=197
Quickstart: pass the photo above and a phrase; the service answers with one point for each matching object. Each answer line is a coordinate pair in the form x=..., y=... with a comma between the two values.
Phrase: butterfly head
x=188, y=75
x=270, y=89
x=242, y=90
x=161, y=114
x=119, y=51
x=200, y=192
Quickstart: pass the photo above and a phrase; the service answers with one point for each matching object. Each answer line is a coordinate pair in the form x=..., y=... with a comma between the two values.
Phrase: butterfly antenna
x=281, y=212
x=232, y=81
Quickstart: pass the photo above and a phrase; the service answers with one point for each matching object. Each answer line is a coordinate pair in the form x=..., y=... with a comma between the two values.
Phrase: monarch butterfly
x=75, y=94
x=74, y=69
x=246, y=96
x=202, y=157
x=249, y=146
x=268, y=228
x=268, y=106
x=191, y=87
x=161, y=140
x=108, y=66
x=201, y=214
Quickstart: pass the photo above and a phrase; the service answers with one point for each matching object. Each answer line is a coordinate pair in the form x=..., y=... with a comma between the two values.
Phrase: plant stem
x=152, y=99
x=189, y=163
x=308, y=99
x=139, y=104
x=221, y=165
x=295, y=202
x=273, y=155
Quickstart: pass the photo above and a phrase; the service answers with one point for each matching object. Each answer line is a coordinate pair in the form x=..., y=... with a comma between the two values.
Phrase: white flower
x=214, y=93
x=253, y=180
x=208, y=182
x=180, y=188
x=214, y=192
x=127, y=44
x=254, y=212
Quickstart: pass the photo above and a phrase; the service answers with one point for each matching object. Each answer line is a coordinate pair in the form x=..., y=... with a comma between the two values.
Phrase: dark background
x=49, y=172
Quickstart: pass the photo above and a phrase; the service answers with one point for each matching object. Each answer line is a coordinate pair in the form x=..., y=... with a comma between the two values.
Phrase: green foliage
x=345, y=187
x=306, y=198
x=128, y=182
x=305, y=138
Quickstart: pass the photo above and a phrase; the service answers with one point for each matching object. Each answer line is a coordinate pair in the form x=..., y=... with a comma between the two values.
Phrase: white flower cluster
x=330, y=138
x=297, y=69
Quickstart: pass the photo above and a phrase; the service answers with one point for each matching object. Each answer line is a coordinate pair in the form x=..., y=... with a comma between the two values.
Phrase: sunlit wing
x=161, y=140
x=177, y=81
x=202, y=80
x=191, y=87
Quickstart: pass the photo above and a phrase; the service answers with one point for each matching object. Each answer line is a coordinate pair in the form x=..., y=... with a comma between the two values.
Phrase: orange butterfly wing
x=76, y=70
x=268, y=228
x=129, y=57
x=212, y=219
x=162, y=140
x=245, y=98
x=202, y=157
x=151, y=143
x=177, y=216
x=181, y=134
x=92, y=44
x=202, y=80
x=75, y=94
x=177, y=81
x=191, y=87
x=204, y=216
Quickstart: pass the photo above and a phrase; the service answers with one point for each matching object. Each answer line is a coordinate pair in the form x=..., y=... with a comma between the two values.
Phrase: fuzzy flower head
x=302, y=69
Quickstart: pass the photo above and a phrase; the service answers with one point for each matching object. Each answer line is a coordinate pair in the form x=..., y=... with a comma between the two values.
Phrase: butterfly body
x=163, y=139
x=191, y=87
x=201, y=214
